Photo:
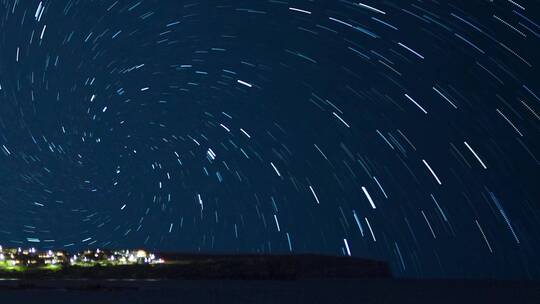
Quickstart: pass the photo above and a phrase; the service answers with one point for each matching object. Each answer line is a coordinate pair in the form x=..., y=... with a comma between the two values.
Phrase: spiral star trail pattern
x=398, y=130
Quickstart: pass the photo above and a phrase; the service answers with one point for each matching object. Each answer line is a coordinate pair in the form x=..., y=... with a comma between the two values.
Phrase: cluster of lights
x=30, y=256
x=120, y=257
x=27, y=257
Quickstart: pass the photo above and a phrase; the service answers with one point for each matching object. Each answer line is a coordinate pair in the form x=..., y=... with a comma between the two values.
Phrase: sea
x=294, y=291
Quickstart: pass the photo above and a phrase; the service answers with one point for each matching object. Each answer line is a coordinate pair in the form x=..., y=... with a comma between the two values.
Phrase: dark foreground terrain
x=249, y=279
x=291, y=291
x=219, y=267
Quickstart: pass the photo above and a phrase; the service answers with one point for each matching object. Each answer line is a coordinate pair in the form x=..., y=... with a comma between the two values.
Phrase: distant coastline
x=140, y=265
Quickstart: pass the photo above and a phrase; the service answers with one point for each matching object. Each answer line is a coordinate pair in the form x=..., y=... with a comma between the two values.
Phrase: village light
x=132, y=258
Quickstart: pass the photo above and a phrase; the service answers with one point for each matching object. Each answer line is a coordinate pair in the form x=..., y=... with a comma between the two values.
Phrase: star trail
x=405, y=131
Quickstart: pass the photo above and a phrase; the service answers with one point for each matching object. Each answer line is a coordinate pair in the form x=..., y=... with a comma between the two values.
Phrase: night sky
x=407, y=131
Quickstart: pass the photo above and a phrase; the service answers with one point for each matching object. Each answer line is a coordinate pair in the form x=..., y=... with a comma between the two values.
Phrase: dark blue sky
x=399, y=130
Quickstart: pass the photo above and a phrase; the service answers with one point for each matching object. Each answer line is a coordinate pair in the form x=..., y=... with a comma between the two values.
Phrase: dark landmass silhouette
x=194, y=278
x=232, y=267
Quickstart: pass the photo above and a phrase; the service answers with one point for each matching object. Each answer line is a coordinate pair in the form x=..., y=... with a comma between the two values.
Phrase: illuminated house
x=53, y=257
